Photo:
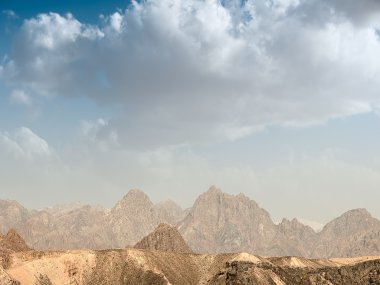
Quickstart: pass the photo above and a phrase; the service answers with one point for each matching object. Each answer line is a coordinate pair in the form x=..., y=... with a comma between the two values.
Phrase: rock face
x=293, y=238
x=133, y=266
x=170, y=212
x=133, y=217
x=164, y=238
x=217, y=222
x=354, y=233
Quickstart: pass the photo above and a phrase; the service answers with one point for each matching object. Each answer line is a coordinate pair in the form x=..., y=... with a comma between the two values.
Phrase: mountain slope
x=219, y=222
x=132, y=218
x=164, y=238
x=354, y=233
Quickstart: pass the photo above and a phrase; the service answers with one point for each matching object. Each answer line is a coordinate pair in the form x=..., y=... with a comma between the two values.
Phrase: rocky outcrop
x=10, y=243
x=164, y=238
x=13, y=241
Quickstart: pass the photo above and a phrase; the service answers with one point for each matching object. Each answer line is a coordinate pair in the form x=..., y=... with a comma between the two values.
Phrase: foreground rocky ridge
x=134, y=266
x=217, y=222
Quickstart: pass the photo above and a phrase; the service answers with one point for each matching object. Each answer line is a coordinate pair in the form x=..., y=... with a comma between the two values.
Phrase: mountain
x=293, y=238
x=10, y=243
x=164, y=238
x=217, y=222
x=133, y=217
x=169, y=211
x=12, y=215
x=13, y=241
x=354, y=233
x=220, y=222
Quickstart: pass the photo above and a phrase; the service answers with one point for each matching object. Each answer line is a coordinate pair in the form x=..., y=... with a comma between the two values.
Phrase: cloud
x=10, y=14
x=199, y=71
x=98, y=135
x=20, y=97
x=25, y=144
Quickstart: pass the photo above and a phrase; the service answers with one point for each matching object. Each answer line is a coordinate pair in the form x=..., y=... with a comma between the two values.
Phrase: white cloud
x=24, y=143
x=116, y=21
x=99, y=135
x=199, y=71
x=20, y=97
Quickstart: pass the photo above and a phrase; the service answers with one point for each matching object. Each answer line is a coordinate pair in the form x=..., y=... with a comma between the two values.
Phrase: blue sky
x=98, y=97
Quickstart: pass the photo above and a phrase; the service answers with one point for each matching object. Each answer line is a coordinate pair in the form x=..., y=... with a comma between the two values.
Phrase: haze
x=276, y=99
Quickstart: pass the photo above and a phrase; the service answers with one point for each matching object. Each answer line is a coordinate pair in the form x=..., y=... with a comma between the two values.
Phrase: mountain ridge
x=217, y=222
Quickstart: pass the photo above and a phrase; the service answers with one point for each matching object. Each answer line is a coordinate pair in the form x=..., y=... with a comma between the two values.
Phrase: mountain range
x=216, y=223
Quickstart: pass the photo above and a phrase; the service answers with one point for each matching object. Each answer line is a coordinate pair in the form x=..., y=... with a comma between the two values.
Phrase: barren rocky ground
x=136, y=266
x=163, y=257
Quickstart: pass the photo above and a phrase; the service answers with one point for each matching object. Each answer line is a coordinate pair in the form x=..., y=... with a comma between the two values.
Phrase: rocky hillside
x=133, y=266
x=217, y=222
x=164, y=238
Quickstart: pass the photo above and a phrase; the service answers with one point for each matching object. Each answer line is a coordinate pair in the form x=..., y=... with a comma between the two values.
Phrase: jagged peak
x=360, y=213
x=136, y=193
x=134, y=198
x=351, y=221
x=215, y=193
x=214, y=190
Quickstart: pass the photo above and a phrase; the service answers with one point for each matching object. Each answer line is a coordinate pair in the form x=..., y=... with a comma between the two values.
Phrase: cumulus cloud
x=199, y=71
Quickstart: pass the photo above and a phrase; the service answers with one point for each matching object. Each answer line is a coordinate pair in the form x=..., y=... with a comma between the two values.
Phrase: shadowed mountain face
x=217, y=222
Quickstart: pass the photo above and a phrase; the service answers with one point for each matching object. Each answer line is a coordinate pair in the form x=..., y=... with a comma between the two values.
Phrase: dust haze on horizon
x=276, y=99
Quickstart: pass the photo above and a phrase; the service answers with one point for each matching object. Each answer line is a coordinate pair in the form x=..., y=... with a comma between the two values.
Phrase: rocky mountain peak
x=220, y=222
x=213, y=190
x=13, y=241
x=134, y=198
x=351, y=222
x=164, y=238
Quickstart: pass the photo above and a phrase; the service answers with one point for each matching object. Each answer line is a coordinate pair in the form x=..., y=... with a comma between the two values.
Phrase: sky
x=276, y=99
